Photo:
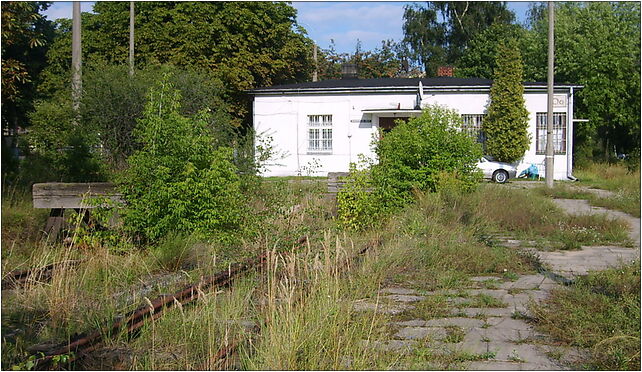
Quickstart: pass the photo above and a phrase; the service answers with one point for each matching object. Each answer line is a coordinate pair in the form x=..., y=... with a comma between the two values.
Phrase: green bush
x=424, y=154
x=357, y=207
x=61, y=147
x=179, y=180
x=416, y=153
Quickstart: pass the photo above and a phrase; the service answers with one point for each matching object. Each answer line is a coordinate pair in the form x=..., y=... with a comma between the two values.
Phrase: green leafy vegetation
x=623, y=184
x=600, y=312
x=506, y=121
x=438, y=33
x=179, y=180
x=424, y=154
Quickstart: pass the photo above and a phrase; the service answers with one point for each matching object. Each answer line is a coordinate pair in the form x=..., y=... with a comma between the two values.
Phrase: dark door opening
x=386, y=124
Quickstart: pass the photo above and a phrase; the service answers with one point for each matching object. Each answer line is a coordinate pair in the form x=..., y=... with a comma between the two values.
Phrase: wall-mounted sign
x=361, y=121
x=559, y=100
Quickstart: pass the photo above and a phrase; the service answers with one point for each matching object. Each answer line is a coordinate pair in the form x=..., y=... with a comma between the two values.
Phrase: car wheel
x=500, y=176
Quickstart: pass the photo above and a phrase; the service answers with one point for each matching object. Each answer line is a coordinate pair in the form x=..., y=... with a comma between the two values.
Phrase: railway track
x=18, y=278
x=231, y=349
x=129, y=323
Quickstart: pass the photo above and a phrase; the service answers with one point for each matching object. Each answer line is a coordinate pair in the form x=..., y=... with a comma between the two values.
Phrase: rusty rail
x=232, y=348
x=16, y=278
x=135, y=319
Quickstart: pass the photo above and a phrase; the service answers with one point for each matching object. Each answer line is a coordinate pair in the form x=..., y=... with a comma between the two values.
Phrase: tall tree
x=244, y=44
x=25, y=38
x=506, y=121
x=598, y=45
x=389, y=60
x=439, y=32
x=479, y=58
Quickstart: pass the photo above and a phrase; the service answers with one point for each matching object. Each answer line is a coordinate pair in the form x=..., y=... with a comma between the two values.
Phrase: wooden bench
x=59, y=196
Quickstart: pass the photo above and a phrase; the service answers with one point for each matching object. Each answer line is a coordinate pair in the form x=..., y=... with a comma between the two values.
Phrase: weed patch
x=600, y=312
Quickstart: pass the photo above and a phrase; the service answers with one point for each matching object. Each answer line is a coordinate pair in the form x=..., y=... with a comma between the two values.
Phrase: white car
x=497, y=171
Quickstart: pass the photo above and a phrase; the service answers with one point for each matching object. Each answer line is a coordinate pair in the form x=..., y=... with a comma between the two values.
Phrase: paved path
x=591, y=258
x=499, y=337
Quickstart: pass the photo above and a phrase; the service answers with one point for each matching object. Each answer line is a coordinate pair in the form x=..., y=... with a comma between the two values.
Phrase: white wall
x=284, y=118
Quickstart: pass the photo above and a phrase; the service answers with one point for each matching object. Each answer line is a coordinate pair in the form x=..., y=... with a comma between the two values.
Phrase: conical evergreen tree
x=506, y=122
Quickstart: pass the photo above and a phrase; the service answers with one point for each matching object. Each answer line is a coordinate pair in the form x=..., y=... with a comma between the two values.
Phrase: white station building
x=321, y=127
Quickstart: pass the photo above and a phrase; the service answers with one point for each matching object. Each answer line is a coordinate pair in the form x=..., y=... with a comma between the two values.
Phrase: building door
x=386, y=124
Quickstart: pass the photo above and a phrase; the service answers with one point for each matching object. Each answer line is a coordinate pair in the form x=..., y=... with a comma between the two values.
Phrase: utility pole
x=550, y=157
x=76, y=60
x=315, y=77
x=131, y=38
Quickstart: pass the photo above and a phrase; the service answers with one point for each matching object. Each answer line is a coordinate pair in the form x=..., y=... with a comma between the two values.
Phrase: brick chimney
x=349, y=71
x=445, y=71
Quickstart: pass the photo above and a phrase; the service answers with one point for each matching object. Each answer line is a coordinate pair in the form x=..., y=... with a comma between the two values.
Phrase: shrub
x=63, y=149
x=357, y=207
x=415, y=155
x=424, y=154
x=179, y=181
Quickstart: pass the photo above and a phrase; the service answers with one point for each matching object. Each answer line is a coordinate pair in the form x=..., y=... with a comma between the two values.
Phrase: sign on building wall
x=559, y=101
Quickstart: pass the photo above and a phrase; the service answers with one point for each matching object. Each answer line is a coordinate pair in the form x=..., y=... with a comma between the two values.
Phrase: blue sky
x=345, y=22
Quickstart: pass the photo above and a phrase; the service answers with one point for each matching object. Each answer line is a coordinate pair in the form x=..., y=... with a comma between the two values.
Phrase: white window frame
x=473, y=125
x=320, y=134
x=560, y=129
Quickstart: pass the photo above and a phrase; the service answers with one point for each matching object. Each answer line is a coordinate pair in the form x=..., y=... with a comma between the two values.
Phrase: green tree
x=112, y=104
x=244, y=44
x=389, y=60
x=179, y=180
x=598, y=45
x=25, y=39
x=478, y=60
x=439, y=32
x=506, y=121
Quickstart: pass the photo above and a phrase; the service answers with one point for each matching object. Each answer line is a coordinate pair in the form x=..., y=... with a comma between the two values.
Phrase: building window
x=472, y=124
x=559, y=133
x=320, y=133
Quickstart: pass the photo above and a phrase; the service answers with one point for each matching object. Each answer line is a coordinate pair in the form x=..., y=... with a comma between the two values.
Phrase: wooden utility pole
x=131, y=38
x=315, y=76
x=550, y=157
x=76, y=59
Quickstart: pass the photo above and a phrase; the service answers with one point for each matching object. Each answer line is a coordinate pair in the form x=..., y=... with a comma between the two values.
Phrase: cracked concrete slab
x=473, y=312
x=455, y=322
x=398, y=291
x=404, y=298
x=420, y=333
x=390, y=309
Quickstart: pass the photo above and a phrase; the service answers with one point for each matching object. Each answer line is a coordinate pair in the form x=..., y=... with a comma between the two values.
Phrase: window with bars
x=320, y=133
x=472, y=124
x=559, y=133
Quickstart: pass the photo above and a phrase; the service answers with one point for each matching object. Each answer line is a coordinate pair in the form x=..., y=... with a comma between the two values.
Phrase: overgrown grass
x=616, y=178
x=303, y=302
x=622, y=200
x=115, y=278
x=530, y=215
x=600, y=312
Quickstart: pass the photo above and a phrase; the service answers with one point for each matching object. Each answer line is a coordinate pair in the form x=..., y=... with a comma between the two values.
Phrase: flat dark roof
x=348, y=84
x=388, y=82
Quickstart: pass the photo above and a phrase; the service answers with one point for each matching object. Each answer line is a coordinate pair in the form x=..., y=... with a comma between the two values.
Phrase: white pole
x=550, y=157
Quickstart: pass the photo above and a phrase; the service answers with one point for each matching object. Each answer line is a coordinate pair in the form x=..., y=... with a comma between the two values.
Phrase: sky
x=343, y=22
